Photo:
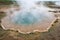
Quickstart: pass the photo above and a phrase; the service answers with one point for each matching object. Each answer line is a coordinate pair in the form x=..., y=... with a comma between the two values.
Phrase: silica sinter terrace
x=31, y=16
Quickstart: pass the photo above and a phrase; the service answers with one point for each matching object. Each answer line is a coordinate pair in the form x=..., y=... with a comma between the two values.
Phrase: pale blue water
x=28, y=15
x=31, y=17
x=28, y=18
x=25, y=19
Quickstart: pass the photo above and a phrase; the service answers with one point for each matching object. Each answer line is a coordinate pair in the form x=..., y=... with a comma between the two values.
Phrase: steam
x=31, y=12
x=32, y=16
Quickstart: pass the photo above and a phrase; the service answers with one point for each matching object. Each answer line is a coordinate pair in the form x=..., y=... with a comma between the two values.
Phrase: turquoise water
x=29, y=18
x=31, y=13
x=25, y=19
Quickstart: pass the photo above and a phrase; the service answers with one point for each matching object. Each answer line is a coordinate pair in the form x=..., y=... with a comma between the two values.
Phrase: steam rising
x=32, y=16
x=31, y=12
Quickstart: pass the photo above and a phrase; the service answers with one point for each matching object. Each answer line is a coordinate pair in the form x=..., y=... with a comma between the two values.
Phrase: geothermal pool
x=30, y=18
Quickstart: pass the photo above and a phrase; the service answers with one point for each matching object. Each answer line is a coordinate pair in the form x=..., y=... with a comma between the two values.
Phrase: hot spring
x=32, y=16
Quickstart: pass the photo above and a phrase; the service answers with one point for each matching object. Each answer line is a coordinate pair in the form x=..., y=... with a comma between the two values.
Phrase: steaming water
x=32, y=16
x=31, y=13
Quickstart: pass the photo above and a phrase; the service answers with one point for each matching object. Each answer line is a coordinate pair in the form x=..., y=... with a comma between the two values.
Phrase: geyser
x=31, y=17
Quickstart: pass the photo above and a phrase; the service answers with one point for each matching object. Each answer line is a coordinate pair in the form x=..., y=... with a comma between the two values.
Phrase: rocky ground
x=52, y=34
